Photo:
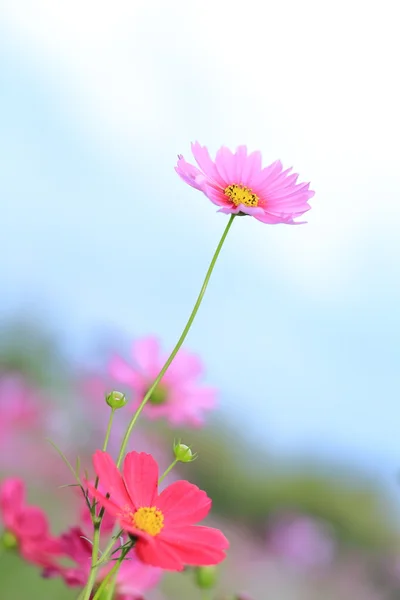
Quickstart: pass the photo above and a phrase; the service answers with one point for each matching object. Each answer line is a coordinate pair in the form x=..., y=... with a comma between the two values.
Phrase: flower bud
x=205, y=577
x=183, y=453
x=116, y=400
x=8, y=540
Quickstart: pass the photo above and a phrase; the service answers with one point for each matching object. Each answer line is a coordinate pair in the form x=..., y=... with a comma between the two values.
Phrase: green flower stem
x=171, y=466
x=85, y=595
x=110, y=577
x=107, y=552
x=178, y=344
x=93, y=570
x=106, y=440
x=108, y=432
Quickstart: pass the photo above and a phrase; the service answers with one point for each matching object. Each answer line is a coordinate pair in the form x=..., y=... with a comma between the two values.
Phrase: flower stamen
x=148, y=519
x=240, y=194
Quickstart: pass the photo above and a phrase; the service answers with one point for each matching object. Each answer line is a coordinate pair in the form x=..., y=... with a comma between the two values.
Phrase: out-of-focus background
x=102, y=243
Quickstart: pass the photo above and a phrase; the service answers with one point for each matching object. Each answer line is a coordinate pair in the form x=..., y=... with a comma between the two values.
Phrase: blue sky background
x=300, y=326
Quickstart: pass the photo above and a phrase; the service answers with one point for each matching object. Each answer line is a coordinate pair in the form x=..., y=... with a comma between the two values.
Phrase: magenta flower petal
x=110, y=478
x=183, y=503
x=160, y=554
x=237, y=183
x=196, y=544
x=140, y=473
x=113, y=509
x=28, y=524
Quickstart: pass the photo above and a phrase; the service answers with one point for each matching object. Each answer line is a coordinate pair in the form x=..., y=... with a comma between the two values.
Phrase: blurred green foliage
x=248, y=486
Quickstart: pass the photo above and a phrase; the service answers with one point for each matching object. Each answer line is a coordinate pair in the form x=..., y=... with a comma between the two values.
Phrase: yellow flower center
x=149, y=519
x=240, y=194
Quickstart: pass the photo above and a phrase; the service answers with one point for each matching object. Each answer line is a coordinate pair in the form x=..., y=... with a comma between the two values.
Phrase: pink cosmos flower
x=178, y=397
x=163, y=525
x=133, y=578
x=26, y=526
x=239, y=185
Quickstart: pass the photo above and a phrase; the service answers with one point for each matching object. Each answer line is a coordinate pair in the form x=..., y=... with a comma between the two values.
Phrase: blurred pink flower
x=26, y=526
x=133, y=578
x=301, y=541
x=24, y=425
x=238, y=184
x=19, y=406
x=179, y=397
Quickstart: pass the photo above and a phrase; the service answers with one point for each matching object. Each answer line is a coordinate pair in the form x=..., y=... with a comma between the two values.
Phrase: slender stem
x=178, y=344
x=107, y=552
x=97, y=522
x=106, y=440
x=85, y=595
x=93, y=570
x=110, y=577
x=110, y=422
x=171, y=466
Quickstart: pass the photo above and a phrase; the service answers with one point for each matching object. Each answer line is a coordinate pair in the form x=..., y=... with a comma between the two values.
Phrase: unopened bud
x=183, y=453
x=205, y=577
x=116, y=400
x=8, y=540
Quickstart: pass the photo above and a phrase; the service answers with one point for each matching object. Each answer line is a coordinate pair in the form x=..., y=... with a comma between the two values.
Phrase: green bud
x=116, y=400
x=183, y=453
x=8, y=540
x=205, y=577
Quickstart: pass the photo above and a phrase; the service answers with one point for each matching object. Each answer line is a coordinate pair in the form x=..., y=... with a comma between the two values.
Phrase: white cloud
x=311, y=82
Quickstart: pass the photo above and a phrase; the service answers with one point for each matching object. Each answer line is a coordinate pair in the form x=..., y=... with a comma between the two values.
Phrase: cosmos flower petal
x=110, y=479
x=189, y=173
x=251, y=167
x=197, y=545
x=239, y=162
x=141, y=478
x=225, y=163
x=135, y=577
x=33, y=522
x=159, y=554
x=112, y=508
x=120, y=370
x=145, y=352
x=183, y=503
x=184, y=366
x=28, y=524
x=12, y=496
x=205, y=163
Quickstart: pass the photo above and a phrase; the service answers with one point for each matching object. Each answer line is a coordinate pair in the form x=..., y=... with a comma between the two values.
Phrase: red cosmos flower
x=164, y=524
x=26, y=527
